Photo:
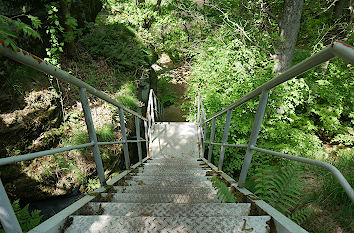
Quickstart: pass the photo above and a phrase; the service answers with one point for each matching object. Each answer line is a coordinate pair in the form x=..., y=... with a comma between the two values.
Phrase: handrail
x=7, y=216
x=337, y=49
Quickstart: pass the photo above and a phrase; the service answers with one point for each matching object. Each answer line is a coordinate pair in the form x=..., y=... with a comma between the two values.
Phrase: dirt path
x=179, y=74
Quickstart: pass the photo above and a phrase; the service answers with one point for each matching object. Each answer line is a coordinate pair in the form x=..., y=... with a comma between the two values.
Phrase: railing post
x=212, y=134
x=253, y=138
x=156, y=107
x=124, y=136
x=92, y=134
x=146, y=138
x=205, y=136
x=198, y=107
x=7, y=215
x=137, y=129
x=224, y=139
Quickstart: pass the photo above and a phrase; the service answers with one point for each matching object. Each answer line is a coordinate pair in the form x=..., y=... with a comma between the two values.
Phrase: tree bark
x=339, y=7
x=289, y=26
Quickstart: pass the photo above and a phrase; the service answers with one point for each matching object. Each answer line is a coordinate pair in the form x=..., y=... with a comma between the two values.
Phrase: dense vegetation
x=230, y=46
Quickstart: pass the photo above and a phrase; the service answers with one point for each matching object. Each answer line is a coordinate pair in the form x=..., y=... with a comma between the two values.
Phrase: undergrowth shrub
x=165, y=92
x=119, y=45
x=223, y=191
x=280, y=186
x=27, y=219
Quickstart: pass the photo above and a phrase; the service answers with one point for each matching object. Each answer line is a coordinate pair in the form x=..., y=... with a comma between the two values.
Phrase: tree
x=289, y=26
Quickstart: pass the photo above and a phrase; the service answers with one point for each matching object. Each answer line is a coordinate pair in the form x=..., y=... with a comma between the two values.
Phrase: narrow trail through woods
x=177, y=75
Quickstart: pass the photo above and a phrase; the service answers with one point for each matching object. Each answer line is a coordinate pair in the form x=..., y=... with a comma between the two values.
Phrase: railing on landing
x=154, y=112
x=337, y=49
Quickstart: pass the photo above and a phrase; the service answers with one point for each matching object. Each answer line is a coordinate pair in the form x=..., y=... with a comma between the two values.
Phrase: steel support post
x=205, y=136
x=198, y=107
x=212, y=134
x=124, y=136
x=224, y=139
x=156, y=107
x=7, y=215
x=137, y=129
x=146, y=138
x=253, y=138
x=92, y=134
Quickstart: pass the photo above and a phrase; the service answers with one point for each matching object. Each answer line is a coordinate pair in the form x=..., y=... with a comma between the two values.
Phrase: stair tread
x=156, y=198
x=152, y=189
x=198, y=183
x=165, y=209
x=106, y=223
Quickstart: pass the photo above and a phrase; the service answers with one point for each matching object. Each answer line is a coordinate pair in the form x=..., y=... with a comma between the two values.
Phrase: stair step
x=197, y=183
x=177, y=166
x=165, y=209
x=167, y=173
x=176, y=178
x=106, y=223
x=177, y=162
x=156, y=198
x=152, y=189
x=171, y=170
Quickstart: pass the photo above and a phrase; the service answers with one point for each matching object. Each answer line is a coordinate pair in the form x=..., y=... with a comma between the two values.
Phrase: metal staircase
x=169, y=189
x=169, y=193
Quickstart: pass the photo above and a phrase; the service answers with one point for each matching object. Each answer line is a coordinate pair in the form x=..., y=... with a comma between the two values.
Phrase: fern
x=300, y=216
x=27, y=219
x=281, y=188
x=223, y=191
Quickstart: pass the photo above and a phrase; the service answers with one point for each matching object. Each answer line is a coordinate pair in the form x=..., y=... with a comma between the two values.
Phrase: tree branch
x=243, y=32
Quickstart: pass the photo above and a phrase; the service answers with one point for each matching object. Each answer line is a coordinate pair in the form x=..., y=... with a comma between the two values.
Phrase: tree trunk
x=289, y=28
x=338, y=8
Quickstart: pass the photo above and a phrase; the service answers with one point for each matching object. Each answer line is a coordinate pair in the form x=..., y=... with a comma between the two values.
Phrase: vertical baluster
x=253, y=138
x=92, y=134
x=224, y=140
x=205, y=136
x=155, y=107
x=198, y=109
x=137, y=129
x=7, y=215
x=152, y=113
x=124, y=136
x=146, y=138
x=212, y=134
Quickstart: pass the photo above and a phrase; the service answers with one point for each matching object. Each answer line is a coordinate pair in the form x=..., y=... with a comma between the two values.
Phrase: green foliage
x=106, y=133
x=93, y=184
x=223, y=191
x=119, y=45
x=127, y=96
x=280, y=186
x=27, y=219
x=10, y=29
x=301, y=215
x=54, y=30
x=165, y=92
x=343, y=159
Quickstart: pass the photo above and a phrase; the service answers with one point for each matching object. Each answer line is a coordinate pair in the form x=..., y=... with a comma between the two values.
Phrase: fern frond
x=300, y=216
x=223, y=192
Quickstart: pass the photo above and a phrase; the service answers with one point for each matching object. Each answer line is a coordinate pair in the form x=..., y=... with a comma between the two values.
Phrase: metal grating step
x=152, y=189
x=155, y=198
x=166, y=209
x=106, y=223
x=196, y=183
x=176, y=178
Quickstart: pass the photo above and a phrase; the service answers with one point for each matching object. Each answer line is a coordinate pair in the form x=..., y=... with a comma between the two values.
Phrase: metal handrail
x=337, y=49
x=7, y=216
